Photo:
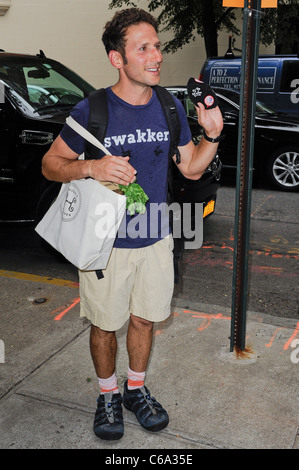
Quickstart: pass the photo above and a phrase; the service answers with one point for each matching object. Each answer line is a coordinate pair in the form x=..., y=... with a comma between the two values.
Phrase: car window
x=182, y=95
x=38, y=86
x=290, y=72
x=190, y=108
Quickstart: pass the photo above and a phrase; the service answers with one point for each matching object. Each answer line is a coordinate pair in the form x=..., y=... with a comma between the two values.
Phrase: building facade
x=70, y=31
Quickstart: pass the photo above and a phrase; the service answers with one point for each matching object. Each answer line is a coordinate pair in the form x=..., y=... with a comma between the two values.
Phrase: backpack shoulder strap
x=97, y=122
x=173, y=120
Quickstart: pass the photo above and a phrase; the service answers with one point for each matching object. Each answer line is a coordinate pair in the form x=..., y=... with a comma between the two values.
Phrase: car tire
x=283, y=169
x=45, y=202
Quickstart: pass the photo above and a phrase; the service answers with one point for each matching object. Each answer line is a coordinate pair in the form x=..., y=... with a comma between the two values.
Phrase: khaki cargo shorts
x=138, y=281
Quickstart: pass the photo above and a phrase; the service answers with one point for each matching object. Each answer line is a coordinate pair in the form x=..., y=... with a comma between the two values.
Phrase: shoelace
x=109, y=408
x=149, y=400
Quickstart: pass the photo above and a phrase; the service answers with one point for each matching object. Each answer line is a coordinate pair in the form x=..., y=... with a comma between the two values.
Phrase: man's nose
x=156, y=55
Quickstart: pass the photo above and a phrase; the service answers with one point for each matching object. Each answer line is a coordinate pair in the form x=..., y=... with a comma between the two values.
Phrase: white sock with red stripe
x=135, y=379
x=108, y=385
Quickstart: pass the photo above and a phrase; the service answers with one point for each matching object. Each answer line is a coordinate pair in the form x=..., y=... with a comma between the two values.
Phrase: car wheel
x=283, y=169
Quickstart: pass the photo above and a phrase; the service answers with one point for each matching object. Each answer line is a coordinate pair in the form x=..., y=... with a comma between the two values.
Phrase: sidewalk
x=214, y=399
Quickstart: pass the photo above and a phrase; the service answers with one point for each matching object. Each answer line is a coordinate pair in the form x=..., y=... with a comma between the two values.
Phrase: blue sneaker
x=108, y=421
x=150, y=414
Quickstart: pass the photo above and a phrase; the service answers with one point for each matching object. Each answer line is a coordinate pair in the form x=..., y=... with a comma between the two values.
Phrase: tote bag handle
x=85, y=134
x=90, y=138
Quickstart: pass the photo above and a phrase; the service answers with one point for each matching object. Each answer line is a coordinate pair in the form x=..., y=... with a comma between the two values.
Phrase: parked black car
x=276, y=154
x=36, y=96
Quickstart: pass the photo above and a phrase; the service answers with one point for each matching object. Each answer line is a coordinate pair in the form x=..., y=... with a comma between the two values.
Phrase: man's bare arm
x=195, y=159
x=61, y=164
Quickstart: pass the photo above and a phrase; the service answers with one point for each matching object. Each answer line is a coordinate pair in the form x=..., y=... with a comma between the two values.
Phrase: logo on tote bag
x=72, y=203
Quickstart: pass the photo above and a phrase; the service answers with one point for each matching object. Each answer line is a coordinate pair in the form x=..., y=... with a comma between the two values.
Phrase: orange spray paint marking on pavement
x=289, y=341
x=158, y=332
x=296, y=331
x=61, y=314
x=206, y=323
x=224, y=246
x=273, y=336
x=207, y=318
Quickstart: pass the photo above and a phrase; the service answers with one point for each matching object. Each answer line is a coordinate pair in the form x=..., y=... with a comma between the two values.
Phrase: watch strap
x=214, y=140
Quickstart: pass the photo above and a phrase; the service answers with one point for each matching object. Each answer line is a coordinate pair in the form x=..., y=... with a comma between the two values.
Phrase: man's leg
x=139, y=343
x=103, y=348
x=151, y=296
x=150, y=414
x=108, y=423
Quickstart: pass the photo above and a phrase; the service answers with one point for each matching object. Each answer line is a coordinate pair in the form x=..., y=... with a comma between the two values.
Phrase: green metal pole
x=250, y=48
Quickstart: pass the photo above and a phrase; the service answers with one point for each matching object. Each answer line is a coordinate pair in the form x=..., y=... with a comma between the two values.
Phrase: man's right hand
x=114, y=169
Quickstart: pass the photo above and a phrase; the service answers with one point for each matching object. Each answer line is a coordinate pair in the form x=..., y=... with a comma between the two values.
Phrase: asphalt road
x=205, y=274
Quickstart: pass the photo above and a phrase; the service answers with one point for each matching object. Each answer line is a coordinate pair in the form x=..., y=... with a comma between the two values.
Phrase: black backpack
x=97, y=126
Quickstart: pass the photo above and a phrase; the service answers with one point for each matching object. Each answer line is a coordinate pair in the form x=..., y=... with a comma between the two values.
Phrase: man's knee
x=139, y=322
x=97, y=334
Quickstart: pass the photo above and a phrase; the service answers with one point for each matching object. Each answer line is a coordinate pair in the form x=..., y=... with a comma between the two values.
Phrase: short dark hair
x=115, y=30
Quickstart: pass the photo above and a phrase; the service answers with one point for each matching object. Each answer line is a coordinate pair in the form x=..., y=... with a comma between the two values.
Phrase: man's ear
x=116, y=59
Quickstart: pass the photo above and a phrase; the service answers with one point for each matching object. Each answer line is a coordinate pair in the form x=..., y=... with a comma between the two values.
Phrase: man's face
x=143, y=55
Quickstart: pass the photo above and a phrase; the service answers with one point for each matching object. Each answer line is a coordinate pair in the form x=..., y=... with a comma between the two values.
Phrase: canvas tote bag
x=83, y=221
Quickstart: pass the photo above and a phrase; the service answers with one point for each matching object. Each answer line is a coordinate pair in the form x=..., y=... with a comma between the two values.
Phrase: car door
x=8, y=144
x=7, y=118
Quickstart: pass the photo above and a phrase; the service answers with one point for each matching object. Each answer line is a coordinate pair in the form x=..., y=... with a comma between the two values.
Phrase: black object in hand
x=200, y=92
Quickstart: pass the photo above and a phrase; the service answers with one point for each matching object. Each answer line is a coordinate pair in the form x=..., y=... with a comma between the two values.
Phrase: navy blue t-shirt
x=142, y=133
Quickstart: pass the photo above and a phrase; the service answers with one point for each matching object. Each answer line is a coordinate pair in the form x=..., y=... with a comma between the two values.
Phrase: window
x=38, y=87
x=290, y=72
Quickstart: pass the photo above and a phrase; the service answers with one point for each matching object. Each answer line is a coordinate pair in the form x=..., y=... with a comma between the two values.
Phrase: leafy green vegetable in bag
x=136, y=198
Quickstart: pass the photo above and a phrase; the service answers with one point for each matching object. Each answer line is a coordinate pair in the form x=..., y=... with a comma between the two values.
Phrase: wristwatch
x=213, y=140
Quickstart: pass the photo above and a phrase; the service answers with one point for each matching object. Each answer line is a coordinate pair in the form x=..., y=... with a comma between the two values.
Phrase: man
x=138, y=281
